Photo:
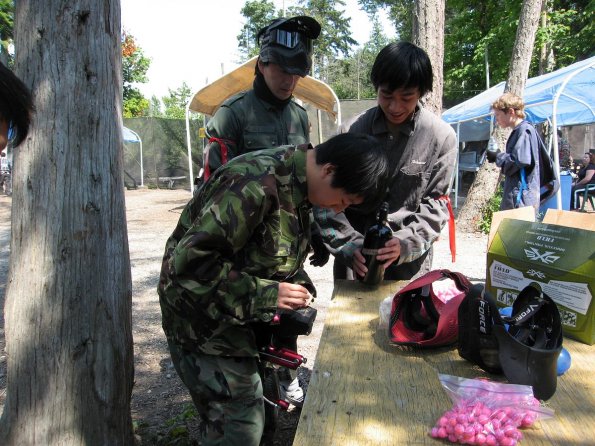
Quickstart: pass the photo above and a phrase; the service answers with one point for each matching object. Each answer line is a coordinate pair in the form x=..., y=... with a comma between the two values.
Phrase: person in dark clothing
x=520, y=162
x=16, y=109
x=585, y=176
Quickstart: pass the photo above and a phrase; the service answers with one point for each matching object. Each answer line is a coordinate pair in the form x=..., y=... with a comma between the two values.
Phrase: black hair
x=16, y=104
x=402, y=65
x=361, y=164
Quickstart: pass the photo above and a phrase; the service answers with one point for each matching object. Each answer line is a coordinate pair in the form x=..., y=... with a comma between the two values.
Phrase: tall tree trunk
x=428, y=33
x=486, y=180
x=68, y=300
x=518, y=71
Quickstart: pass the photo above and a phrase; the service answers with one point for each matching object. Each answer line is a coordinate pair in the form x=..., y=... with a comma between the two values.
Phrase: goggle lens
x=11, y=132
x=290, y=39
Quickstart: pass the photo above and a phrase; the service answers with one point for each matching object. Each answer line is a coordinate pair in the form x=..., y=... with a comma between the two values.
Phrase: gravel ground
x=159, y=398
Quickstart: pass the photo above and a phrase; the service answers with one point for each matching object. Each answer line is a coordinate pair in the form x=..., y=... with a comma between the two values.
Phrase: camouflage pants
x=227, y=393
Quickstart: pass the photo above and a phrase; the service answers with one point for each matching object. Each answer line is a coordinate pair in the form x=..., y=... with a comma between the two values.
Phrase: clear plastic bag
x=384, y=313
x=486, y=412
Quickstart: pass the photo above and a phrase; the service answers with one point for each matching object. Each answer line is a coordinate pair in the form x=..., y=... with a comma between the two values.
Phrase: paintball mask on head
x=288, y=43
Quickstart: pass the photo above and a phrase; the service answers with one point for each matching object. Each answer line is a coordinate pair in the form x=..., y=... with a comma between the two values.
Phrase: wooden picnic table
x=364, y=391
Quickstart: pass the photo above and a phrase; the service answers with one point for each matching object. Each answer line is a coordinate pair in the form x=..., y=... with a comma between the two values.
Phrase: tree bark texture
x=68, y=299
x=428, y=33
x=483, y=188
x=486, y=180
x=522, y=50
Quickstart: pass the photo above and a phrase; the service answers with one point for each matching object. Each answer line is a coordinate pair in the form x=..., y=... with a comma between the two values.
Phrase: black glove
x=491, y=155
x=294, y=322
x=321, y=254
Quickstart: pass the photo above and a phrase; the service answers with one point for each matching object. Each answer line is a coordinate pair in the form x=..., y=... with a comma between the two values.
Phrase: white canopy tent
x=563, y=97
x=132, y=137
x=209, y=98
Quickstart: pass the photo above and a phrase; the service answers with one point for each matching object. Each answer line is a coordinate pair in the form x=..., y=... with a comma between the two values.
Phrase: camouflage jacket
x=247, y=230
x=247, y=123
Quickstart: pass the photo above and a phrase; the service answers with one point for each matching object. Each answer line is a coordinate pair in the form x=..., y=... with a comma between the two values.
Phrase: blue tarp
x=129, y=135
x=565, y=97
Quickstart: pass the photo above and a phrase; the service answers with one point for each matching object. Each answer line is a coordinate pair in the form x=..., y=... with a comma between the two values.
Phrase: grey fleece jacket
x=422, y=154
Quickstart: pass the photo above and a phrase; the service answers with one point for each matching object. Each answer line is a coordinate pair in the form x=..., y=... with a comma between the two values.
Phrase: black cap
x=288, y=43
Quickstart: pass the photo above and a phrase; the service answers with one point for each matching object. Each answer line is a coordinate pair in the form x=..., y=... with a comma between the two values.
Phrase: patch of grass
x=488, y=211
x=175, y=432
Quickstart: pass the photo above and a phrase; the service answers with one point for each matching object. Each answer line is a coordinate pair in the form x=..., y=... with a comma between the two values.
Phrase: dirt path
x=159, y=398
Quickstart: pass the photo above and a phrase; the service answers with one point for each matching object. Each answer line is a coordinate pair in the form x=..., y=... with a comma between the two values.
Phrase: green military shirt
x=247, y=230
x=246, y=123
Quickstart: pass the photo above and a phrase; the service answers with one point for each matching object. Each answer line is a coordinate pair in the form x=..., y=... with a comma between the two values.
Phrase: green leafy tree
x=350, y=77
x=6, y=26
x=134, y=70
x=335, y=36
x=155, y=108
x=485, y=31
x=259, y=13
x=400, y=13
x=334, y=40
x=175, y=103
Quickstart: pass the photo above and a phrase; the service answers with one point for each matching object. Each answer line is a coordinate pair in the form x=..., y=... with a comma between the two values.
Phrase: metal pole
x=487, y=70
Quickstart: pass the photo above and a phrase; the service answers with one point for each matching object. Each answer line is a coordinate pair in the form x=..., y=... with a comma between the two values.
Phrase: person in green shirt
x=267, y=115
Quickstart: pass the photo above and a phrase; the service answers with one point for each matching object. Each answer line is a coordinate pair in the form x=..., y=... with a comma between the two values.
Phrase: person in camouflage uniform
x=236, y=257
x=266, y=116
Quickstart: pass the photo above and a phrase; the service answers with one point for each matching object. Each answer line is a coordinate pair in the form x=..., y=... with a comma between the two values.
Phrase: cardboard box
x=558, y=254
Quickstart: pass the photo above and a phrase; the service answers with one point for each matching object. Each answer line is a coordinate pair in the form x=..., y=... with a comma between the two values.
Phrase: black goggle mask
x=287, y=39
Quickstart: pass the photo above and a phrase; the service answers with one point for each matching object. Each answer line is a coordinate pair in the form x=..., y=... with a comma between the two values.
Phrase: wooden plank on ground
x=364, y=391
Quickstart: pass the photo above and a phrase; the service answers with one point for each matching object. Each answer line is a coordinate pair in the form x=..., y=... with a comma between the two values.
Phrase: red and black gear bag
x=421, y=318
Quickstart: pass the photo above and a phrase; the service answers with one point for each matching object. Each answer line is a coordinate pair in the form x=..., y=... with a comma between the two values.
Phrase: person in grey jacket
x=519, y=164
x=422, y=152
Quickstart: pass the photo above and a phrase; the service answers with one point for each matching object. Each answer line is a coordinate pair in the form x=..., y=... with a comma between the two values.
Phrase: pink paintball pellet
x=480, y=438
x=491, y=440
x=459, y=430
x=483, y=419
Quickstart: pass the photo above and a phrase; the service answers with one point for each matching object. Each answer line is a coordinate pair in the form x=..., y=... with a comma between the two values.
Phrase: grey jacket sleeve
x=339, y=236
x=419, y=223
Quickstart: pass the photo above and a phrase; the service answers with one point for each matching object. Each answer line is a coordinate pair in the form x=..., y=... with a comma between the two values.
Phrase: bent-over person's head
x=16, y=107
x=401, y=75
x=286, y=53
x=352, y=164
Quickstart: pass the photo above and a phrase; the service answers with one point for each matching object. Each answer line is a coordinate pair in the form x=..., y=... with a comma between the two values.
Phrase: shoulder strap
x=222, y=147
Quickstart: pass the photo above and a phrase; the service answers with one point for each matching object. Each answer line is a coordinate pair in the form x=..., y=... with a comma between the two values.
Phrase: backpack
x=549, y=182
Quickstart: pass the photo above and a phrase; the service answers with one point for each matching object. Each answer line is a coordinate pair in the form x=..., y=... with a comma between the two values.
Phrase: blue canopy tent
x=132, y=137
x=563, y=97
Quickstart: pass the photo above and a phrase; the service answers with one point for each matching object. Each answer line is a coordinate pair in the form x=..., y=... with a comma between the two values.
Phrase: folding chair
x=587, y=193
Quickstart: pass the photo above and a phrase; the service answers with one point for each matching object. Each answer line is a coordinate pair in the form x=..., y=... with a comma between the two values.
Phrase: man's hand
x=292, y=296
x=321, y=254
x=390, y=253
x=491, y=155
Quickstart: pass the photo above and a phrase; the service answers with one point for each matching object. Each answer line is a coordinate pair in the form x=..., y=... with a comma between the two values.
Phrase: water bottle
x=376, y=237
x=492, y=144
